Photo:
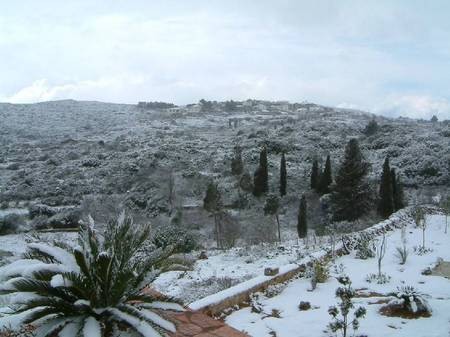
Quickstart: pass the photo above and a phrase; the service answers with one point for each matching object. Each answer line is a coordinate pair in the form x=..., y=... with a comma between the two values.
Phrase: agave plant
x=91, y=290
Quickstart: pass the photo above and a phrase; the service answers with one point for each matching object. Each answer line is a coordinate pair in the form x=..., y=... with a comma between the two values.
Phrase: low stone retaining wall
x=237, y=295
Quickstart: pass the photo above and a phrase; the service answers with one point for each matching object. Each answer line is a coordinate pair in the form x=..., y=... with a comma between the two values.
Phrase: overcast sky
x=388, y=57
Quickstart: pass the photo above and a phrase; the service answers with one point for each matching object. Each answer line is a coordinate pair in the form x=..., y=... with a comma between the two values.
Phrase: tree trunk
x=279, y=230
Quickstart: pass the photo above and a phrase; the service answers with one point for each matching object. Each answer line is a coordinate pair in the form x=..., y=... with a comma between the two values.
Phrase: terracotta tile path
x=197, y=324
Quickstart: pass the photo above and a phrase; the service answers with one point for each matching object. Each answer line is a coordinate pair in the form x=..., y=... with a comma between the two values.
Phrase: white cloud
x=417, y=106
x=41, y=90
x=360, y=53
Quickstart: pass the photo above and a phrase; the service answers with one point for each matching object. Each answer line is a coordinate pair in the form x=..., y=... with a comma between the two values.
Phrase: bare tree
x=381, y=251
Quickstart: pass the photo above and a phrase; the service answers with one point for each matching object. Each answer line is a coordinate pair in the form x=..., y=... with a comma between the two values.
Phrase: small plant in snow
x=421, y=250
x=341, y=319
x=378, y=278
x=90, y=290
x=365, y=248
x=411, y=300
x=402, y=254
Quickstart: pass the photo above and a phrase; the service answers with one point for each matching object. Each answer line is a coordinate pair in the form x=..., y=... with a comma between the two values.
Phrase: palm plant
x=90, y=290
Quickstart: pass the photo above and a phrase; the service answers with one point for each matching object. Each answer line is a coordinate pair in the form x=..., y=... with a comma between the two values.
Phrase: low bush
x=10, y=223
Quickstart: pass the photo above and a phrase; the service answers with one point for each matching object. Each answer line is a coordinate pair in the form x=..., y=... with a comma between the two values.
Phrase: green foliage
x=175, y=238
x=325, y=178
x=237, y=166
x=283, y=175
x=10, y=223
x=321, y=271
x=386, y=196
x=245, y=182
x=371, y=128
x=302, y=220
x=271, y=205
x=94, y=287
x=213, y=200
x=340, y=313
x=397, y=191
x=351, y=196
x=315, y=175
x=261, y=176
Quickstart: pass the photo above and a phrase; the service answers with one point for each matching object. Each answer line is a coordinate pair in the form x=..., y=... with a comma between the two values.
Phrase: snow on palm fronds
x=90, y=289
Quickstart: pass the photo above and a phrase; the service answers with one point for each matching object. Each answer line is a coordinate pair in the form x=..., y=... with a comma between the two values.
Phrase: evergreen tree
x=302, y=224
x=237, y=166
x=246, y=183
x=371, y=128
x=213, y=204
x=326, y=178
x=271, y=208
x=399, y=197
x=386, y=197
x=315, y=174
x=283, y=175
x=261, y=177
x=351, y=195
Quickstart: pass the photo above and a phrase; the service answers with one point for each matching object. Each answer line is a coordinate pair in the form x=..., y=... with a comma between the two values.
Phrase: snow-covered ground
x=225, y=268
x=295, y=323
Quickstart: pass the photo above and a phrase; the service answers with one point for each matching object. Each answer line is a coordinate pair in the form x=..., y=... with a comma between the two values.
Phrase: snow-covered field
x=291, y=322
x=225, y=268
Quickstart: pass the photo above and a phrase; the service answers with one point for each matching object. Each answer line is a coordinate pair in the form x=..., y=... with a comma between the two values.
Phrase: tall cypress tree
x=326, y=178
x=399, y=198
x=351, y=195
x=283, y=175
x=264, y=169
x=315, y=174
x=261, y=177
x=386, y=197
x=302, y=223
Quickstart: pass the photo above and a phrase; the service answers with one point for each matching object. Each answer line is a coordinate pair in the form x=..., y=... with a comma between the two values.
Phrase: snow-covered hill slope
x=59, y=152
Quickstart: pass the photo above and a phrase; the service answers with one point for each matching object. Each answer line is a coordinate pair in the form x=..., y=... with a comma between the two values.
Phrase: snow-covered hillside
x=61, y=152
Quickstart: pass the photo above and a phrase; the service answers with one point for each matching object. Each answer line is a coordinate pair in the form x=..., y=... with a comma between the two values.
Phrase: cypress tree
x=261, y=177
x=386, y=198
x=283, y=175
x=351, y=195
x=399, y=197
x=326, y=178
x=315, y=174
x=302, y=224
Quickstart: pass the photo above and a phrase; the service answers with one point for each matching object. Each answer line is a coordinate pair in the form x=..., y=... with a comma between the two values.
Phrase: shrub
x=402, y=254
x=319, y=271
x=340, y=320
x=10, y=223
x=411, y=300
x=178, y=238
x=380, y=278
x=94, y=288
x=365, y=248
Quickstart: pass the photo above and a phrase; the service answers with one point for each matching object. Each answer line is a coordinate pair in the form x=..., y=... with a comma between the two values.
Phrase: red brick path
x=197, y=324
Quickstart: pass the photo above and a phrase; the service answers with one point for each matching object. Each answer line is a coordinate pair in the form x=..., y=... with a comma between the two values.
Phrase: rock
x=304, y=305
x=203, y=256
x=271, y=271
x=427, y=271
